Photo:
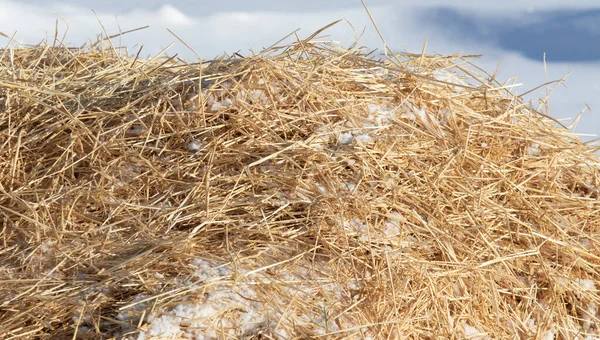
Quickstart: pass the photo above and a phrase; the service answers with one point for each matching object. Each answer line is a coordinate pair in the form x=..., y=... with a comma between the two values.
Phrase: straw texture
x=306, y=191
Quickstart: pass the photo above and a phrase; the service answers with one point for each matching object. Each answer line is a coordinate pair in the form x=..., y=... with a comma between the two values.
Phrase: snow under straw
x=236, y=309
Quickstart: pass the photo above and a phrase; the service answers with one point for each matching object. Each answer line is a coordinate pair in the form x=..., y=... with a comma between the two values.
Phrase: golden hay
x=305, y=191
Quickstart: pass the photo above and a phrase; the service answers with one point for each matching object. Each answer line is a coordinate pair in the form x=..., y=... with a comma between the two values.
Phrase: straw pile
x=306, y=191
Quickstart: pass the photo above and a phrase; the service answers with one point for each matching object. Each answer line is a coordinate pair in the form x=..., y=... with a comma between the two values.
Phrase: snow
x=549, y=334
x=166, y=326
x=408, y=115
x=533, y=149
x=473, y=333
x=588, y=317
x=207, y=270
x=215, y=104
x=380, y=115
x=226, y=310
x=581, y=327
x=364, y=138
x=47, y=247
x=345, y=138
x=252, y=96
x=587, y=313
x=413, y=113
x=322, y=189
x=586, y=284
x=391, y=229
x=349, y=187
x=133, y=313
x=584, y=325
x=580, y=284
x=355, y=226
x=397, y=217
x=194, y=146
x=235, y=309
x=530, y=323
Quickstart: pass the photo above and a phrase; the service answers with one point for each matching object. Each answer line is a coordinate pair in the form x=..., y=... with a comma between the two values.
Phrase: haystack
x=307, y=191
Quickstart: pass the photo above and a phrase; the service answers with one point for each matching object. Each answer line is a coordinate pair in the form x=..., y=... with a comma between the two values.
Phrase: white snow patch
x=549, y=334
x=254, y=96
x=135, y=311
x=408, y=115
x=391, y=229
x=533, y=149
x=380, y=115
x=47, y=247
x=194, y=146
x=207, y=270
x=425, y=117
x=397, y=217
x=457, y=289
x=356, y=225
x=586, y=284
x=166, y=326
x=345, y=138
x=237, y=309
x=347, y=186
x=364, y=138
x=583, y=285
x=322, y=189
x=592, y=188
x=530, y=323
x=215, y=104
x=588, y=317
x=474, y=333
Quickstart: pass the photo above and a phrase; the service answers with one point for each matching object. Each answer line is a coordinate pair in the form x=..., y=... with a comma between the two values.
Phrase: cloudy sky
x=513, y=35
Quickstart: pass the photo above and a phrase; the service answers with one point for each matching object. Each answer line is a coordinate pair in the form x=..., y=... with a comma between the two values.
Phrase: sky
x=512, y=35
